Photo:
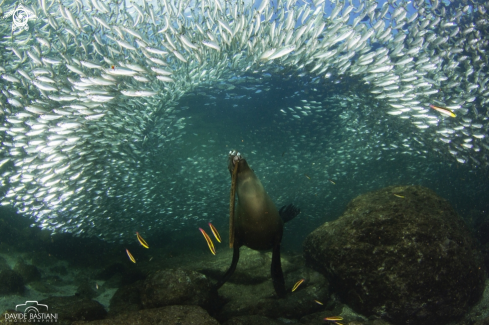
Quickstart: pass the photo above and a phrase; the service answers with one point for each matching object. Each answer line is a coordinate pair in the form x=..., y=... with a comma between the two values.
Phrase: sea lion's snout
x=234, y=157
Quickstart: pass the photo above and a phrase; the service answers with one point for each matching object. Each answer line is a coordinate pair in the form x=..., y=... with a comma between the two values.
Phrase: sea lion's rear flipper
x=288, y=212
x=277, y=274
x=231, y=268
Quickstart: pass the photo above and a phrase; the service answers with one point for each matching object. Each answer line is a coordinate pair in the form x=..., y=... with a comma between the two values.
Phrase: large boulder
x=253, y=267
x=28, y=272
x=401, y=253
x=261, y=299
x=252, y=320
x=73, y=308
x=126, y=299
x=11, y=282
x=482, y=232
x=177, y=287
x=484, y=321
x=194, y=315
x=3, y=264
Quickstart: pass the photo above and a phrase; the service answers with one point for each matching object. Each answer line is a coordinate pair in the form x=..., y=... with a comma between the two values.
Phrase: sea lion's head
x=236, y=158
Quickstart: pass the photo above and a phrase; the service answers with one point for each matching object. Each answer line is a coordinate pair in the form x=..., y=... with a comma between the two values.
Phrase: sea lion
x=257, y=222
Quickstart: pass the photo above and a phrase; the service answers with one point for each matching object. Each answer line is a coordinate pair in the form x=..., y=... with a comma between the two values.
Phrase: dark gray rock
x=60, y=269
x=53, y=280
x=253, y=267
x=260, y=299
x=28, y=272
x=11, y=282
x=177, y=287
x=349, y=316
x=87, y=289
x=42, y=286
x=170, y=315
x=407, y=258
x=73, y=308
x=251, y=320
x=111, y=270
x=482, y=232
x=3, y=264
x=126, y=299
x=484, y=321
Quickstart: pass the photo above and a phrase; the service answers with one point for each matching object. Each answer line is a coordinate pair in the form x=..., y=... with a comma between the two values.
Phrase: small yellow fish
x=333, y=318
x=318, y=302
x=142, y=241
x=96, y=286
x=130, y=256
x=215, y=232
x=443, y=110
x=307, y=176
x=402, y=197
x=209, y=241
x=332, y=182
x=297, y=284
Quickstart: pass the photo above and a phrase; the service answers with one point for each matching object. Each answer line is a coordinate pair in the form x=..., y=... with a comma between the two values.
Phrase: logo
x=31, y=312
x=20, y=17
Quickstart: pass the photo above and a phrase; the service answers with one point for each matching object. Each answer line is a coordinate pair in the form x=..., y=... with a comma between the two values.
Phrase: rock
x=378, y=322
x=482, y=232
x=74, y=308
x=8, y=316
x=176, y=287
x=28, y=272
x=408, y=258
x=484, y=321
x=253, y=266
x=60, y=269
x=3, y=264
x=111, y=270
x=170, y=315
x=41, y=286
x=480, y=310
x=43, y=259
x=87, y=290
x=131, y=276
x=482, y=229
x=260, y=299
x=53, y=280
x=349, y=316
x=251, y=320
x=11, y=282
x=121, y=277
x=485, y=254
x=126, y=299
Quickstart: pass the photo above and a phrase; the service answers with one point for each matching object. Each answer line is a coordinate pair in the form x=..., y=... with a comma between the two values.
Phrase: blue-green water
x=98, y=143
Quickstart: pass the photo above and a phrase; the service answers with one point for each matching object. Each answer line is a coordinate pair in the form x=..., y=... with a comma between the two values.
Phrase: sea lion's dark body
x=257, y=222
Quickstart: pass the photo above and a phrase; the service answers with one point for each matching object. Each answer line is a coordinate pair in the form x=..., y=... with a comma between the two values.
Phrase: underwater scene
x=244, y=162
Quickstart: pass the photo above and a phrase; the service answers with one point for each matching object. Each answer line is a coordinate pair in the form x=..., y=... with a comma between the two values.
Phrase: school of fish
x=96, y=139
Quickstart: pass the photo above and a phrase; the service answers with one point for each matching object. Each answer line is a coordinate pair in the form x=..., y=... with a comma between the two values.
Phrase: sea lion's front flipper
x=277, y=274
x=231, y=268
x=288, y=212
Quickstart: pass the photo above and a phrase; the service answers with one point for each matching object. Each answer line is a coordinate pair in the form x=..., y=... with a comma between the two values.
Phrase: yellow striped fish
x=142, y=241
x=208, y=240
x=297, y=284
x=215, y=232
x=130, y=256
